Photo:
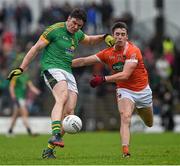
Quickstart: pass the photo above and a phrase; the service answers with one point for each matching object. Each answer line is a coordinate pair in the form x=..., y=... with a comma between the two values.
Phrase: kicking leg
x=60, y=93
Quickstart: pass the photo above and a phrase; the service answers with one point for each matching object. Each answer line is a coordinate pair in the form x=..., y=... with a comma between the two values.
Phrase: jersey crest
x=118, y=66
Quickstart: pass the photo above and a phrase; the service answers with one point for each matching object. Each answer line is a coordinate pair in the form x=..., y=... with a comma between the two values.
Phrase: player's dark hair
x=119, y=25
x=79, y=13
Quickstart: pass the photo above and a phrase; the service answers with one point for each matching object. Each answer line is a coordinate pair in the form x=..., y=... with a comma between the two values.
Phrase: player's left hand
x=97, y=80
x=109, y=40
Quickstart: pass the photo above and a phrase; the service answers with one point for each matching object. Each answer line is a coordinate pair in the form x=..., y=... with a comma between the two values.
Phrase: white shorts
x=142, y=99
x=21, y=102
x=53, y=76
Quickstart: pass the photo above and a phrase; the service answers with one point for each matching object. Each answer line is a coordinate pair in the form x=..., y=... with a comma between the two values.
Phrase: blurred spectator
x=106, y=10
x=66, y=9
x=165, y=93
x=23, y=18
x=149, y=58
x=56, y=12
x=27, y=18
x=45, y=17
x=8, y=40
x=168, y=50
x=2, y=18
x=127, y=17
x=10, y=20
x=4, y=94
x=156, y=45
x=18, y=89
x=3, y=61
x=92, y=18
x=163, y=68
x=51, y=14
x=166, y=99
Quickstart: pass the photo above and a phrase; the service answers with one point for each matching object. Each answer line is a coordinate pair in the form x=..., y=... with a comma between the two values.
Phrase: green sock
x=56, y=127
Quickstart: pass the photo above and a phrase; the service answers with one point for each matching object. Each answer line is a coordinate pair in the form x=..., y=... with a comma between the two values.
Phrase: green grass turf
x=96, y=148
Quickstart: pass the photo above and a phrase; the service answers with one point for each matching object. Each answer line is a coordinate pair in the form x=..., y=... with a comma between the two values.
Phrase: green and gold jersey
x=21, y=86
x=61, y=46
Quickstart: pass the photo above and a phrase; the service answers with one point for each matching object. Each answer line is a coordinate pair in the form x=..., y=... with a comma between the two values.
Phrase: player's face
x=120, y=35
x=74, y=24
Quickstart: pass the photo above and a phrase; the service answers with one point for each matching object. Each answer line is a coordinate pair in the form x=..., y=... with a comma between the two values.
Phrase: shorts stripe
x=51, y=80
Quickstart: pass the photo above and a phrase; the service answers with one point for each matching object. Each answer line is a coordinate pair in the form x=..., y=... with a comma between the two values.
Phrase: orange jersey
x=116, y=60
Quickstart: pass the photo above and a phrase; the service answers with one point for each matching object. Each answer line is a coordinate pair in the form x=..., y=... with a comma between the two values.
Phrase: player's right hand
x=15, y=73
x=97, y=80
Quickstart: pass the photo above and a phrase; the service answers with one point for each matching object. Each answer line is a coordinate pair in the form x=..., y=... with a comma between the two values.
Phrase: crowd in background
x=161, y=59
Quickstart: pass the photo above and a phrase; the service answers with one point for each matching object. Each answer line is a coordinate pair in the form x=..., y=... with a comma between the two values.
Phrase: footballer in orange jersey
x=129, y=73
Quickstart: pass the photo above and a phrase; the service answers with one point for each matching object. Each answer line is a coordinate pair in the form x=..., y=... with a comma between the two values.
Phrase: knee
x=125, y=118
x=61, y=99
x=70, y=110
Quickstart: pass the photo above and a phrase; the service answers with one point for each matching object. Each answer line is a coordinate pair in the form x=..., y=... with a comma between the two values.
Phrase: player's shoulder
x=132, y=47
x=58, y=25
x=55, y=26
x=107, y=50
x=79, y=33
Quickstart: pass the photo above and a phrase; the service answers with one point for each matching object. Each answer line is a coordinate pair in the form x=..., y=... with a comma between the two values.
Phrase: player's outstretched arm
x=27, y=59
x=40, y=44
x=84, y=61
x=120, y=76
x=95, y=39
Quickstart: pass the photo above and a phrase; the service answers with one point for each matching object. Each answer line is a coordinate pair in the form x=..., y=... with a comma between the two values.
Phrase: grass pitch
x=96, y=148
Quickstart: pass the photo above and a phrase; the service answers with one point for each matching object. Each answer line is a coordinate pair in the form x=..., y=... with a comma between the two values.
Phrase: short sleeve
x=80, y=35
x=48, y=34
x=102, y=56
x=134, y=55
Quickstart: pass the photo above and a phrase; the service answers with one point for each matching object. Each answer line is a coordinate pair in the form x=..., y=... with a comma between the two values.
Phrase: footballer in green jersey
x=18, y=88
x=58, y=42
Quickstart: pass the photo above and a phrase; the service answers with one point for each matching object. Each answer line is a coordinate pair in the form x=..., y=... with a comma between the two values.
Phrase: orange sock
x=125, y=149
